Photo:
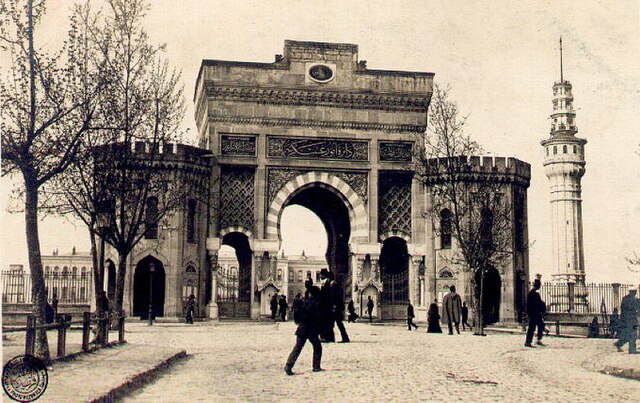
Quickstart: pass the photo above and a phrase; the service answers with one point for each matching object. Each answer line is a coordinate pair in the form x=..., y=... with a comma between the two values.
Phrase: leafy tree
x=46, y=107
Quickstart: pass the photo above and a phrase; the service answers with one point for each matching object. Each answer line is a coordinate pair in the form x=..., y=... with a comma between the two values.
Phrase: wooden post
x=62, y=335
x=30, y=338
x=86, y=329
x=121, y=328
x=557, y=328
x=104, y=329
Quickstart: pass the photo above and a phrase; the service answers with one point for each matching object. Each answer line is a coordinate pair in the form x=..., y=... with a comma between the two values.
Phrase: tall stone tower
x=564, y=165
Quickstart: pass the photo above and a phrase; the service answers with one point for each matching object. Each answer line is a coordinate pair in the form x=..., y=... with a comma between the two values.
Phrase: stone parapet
x=476, y=168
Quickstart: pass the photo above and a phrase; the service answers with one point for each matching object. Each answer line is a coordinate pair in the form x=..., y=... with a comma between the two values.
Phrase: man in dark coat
x=353, y=316
x=296, y=305
x=337, y=301
x=283, y=308
x=191, y=308
x=308, y=320
x=410, y=316
x=536, y=309
x=629, y=307
x=452, y=309
x=326, y=308
x=370, y=308
x=465, y=316
x=274, y=305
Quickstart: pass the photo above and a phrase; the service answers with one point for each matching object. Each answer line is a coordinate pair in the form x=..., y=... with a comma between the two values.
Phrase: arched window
x=74, y=270
x=191, y=221
x=564, y=149
x=291, y=278
x=445, y=273
x=547, y=150
x=575, y=149
x=279, y=275
x=300, y=275
x=151, y=218
x=445, y=229
x=47, y=270
x=486, y=229
x=555, y=149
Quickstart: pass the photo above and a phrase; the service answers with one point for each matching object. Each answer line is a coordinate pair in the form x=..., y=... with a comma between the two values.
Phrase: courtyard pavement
x=243, y=361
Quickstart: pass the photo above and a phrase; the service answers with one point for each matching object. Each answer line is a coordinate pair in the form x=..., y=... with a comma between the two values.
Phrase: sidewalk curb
x=627, y=373
x=139, y=380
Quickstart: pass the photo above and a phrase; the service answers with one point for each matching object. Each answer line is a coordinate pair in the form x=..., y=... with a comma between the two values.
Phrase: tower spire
x=561, y=75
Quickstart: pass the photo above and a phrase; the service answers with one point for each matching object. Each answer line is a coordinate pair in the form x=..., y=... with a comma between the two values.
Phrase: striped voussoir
x=357, y=212
x=239, y=229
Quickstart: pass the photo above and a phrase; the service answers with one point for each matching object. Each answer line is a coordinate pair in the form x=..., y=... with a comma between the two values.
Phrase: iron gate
x=395, y=295
x=232, y=298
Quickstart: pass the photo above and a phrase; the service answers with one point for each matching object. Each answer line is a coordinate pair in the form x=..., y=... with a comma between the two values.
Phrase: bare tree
x=468, y=207
x=46, y=107
x=123, y=170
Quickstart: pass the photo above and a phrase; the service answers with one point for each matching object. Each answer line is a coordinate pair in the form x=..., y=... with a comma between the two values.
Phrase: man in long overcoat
x=273, y=304
x=452, y=309
x=326, y=308
x=308, y=320
x=337, y=301
x=629, y=307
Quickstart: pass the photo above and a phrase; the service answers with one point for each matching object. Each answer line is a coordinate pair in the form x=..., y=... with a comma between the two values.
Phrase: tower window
x=191, y=221
x=151, y=220
x=555, y=149
x=564, y=149
x=575, y=149
x=445, y=229
x=547, y=150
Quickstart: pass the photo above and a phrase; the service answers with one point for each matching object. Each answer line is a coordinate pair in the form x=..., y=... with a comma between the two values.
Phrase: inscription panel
x=317, y=148
x=396, y=151
x=244, y=146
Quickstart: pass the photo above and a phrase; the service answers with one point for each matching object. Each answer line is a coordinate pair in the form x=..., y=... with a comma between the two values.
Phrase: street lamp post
x=152, y=268
x=102, y=223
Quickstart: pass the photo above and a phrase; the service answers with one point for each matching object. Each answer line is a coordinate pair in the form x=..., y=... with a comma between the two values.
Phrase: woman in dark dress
x=433, y=319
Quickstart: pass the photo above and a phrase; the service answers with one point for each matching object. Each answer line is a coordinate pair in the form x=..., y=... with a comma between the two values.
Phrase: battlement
x=174, y=152
x=481, y=168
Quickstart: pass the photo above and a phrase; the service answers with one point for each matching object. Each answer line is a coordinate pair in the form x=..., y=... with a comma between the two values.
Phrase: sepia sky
x=501, y=59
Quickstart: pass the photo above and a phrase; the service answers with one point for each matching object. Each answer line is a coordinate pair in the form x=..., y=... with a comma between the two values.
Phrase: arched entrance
x=491, y=294
x=148, y=288
x=334, y=215
x=234, y=283
x=394, y=273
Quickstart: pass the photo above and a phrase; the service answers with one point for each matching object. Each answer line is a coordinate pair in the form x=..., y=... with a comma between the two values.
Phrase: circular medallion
x=320, y=73
x=24, y=378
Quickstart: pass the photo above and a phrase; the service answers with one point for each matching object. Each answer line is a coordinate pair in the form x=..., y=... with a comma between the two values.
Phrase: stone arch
x=358, y=217
x=240, y=229
x=396, y=234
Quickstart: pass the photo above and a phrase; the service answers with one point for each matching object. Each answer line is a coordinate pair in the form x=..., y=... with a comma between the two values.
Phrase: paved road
x=244, y=362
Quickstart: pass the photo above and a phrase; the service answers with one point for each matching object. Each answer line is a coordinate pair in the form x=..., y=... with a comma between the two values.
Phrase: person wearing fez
x=628, y=328
x=536, y=309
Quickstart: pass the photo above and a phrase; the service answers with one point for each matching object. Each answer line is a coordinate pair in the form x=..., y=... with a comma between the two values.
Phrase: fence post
x=86, y=329
x=121, y=327
x=557, y=328
x=104, y=329
x=30, y=338
x=62, y=334
x=571, y=290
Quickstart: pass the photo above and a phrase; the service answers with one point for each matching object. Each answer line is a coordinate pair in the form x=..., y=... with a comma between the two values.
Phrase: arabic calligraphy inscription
x=309, y=148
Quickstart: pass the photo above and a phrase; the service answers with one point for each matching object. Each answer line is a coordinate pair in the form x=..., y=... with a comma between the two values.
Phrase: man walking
x=410, y=316
x=536, y=309
x=465, y=316
x=308, y=320
x=337, y=300
x=370, y=308
x=628, y=328
x=451, y=309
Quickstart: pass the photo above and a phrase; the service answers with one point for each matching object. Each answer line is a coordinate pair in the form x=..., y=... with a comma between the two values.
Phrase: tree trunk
x=97, y=280
x=122, y=271
x=477, y=303
x=38, y=289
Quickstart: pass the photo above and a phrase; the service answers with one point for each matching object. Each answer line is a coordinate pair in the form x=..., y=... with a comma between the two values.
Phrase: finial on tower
x=561, y=76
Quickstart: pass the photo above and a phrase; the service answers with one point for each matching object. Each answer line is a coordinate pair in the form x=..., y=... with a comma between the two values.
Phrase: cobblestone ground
x=244, y=362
